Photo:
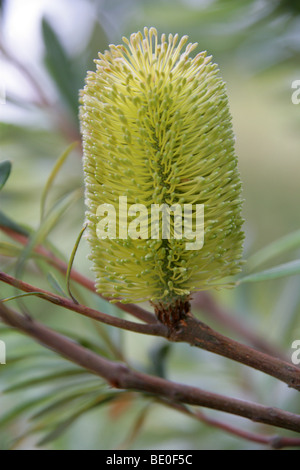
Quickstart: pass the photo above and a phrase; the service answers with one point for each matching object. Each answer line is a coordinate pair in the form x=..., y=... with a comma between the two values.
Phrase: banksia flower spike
x=157, y=131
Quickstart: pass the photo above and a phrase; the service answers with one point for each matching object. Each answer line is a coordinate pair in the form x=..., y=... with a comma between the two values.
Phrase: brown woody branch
x=212, y=310
x=120, y=376
x=202, y=336
x=190, y=331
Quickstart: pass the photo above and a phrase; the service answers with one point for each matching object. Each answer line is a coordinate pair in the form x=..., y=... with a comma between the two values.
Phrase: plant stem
x=208, y=306
x=154, y=330
x=202, y=336
x=190, y=331
x=61, y=266
x=275, y=442
x=120, y=376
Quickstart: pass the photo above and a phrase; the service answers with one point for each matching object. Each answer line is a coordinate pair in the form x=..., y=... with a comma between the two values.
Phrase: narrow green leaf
x=61, y=160
x=71, y=261
x=45, y=379
x=67, y=400
x=59, y=66
x=20, y=296
x=159, y=356
x=283, y=270
x=5, y=169
x=84, y=341
x=66, y=424
x=137, y=427
x=282, y=245
x=25, y=357
x=14, y=251
x=59, y=430
x=6, y=222
x=19, y=411
x=46, y=226
x=104, y=334
x=10, y=250
x=54, y=283
x=85, y=60
x=45, y=399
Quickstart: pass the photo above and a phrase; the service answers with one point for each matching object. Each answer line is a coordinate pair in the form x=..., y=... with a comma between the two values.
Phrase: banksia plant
x=157, y=130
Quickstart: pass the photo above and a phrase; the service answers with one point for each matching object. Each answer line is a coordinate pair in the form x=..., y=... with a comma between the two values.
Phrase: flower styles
x=157, y=130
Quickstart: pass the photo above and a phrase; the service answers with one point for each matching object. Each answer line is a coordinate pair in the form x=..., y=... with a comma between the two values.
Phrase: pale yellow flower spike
x=157, y=129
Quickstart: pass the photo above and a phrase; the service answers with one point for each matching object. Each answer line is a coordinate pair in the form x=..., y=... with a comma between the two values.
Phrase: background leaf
x=46, y=227
x=7, y=222
x=65, y=424
x=59, y=163
x=59, y=67
x=284, y=270
x=5, y=170
x=9, y=249
x=287, y=243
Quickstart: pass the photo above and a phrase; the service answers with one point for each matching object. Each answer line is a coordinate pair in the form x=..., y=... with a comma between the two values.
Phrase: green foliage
x=262, y=34
x=279, y=247
x=287, y=269
x=6, y=222
x=71, y=261
x=5, y=169
x=289, y=6
x=73, y=392
x=61, y=160
x=60, y=67
x=68, y=72
x=46, y=226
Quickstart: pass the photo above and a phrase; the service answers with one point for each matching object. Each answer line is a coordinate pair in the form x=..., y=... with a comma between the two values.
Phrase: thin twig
x=63, y=123
x=61, y=266
x=43, y=100
x=154, y=330
x=120, y=376
x=275, y=442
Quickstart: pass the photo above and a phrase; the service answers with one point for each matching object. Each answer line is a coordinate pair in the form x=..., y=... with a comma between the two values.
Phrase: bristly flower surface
x=157, y=129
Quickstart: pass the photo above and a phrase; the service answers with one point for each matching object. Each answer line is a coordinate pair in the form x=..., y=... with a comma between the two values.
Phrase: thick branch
x=120, y=376
x=202, y=336
x=191, y=331
x=208, y=306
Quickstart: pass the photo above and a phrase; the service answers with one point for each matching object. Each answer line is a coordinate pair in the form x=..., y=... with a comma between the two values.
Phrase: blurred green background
x=46, y=47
